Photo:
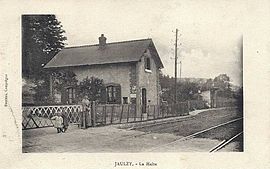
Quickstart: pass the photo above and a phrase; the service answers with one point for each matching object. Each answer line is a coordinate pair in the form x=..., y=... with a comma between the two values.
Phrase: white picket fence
x=40, y=116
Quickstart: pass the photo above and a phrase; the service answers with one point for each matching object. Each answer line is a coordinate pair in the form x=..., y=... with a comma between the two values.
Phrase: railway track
x=224, y=143
x=159, y=123
x=163, y=124
x=166, y=126
x=191, y=136
x=151, y=125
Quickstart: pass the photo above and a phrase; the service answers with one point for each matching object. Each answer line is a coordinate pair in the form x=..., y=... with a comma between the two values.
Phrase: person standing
x=85, y=112
x=65, y=122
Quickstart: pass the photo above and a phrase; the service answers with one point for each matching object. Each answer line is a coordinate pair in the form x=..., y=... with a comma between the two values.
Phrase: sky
x=210, y=31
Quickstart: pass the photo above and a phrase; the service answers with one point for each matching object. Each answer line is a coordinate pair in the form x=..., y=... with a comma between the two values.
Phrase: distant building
x=130, y=70
x=210, y=97
x=206, y=96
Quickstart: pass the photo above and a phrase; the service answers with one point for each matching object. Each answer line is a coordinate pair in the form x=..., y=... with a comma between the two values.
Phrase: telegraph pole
x=180, y=72
x=175, y=71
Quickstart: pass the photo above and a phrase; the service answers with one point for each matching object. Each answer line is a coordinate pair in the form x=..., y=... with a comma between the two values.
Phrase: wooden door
x=144, y=101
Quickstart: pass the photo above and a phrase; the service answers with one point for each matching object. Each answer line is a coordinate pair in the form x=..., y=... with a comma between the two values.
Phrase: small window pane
x=71, y=95
x=148, y=63
x=112, y=94
x=125, y=100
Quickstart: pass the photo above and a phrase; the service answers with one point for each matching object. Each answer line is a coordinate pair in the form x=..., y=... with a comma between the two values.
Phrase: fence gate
x=40, y=116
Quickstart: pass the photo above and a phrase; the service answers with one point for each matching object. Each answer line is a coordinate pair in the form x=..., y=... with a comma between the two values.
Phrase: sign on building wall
x=132, y=95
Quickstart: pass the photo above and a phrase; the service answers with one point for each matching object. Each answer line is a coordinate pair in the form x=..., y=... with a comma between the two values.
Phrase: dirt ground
x=120, y=139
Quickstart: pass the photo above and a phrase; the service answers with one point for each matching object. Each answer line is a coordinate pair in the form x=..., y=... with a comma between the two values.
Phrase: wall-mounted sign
x=132, y=95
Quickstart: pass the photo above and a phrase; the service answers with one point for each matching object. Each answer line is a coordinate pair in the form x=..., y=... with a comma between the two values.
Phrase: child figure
x=58, y=122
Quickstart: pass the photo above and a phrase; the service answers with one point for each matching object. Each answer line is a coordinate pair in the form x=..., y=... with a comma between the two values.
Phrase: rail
x=195, y=134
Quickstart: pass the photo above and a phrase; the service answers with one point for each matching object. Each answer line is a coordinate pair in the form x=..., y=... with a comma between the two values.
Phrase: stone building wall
x=148, y=80
x=111, y=73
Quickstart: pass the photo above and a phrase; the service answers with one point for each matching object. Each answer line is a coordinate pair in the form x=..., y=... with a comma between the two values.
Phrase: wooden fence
x=197, y=104
x=219, y=102
x=40, y=116
x=126, y=113
x=104, y=114
x=223, y=102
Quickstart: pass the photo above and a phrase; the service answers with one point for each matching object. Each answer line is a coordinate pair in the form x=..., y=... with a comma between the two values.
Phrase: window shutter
x=118, y=94
x=145, y=62
x=148, y=63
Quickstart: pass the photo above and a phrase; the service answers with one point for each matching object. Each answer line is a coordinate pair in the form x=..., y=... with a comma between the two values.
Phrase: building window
x=125, y=100
x=113, y=94
x=71, y=95
x=148, y=64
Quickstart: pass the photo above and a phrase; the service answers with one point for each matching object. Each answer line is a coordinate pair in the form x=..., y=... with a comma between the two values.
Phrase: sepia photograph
x=135, y=84
x=106, y=91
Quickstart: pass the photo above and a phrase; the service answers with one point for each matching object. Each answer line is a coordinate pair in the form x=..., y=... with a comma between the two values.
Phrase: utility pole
x=175, y=71
x=180, y=72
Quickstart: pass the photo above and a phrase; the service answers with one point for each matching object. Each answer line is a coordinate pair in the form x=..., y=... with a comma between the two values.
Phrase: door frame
x=144, y=100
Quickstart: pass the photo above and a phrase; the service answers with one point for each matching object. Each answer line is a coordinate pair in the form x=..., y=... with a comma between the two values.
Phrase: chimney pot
x=102, y=41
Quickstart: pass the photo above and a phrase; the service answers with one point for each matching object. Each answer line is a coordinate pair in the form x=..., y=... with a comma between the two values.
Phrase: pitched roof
x=116, y=52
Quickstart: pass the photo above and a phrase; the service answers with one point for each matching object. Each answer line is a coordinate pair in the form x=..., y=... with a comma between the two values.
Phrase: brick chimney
x=102, y=41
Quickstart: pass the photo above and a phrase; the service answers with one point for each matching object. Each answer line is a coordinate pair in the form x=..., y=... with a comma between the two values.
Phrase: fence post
x=158, y=109
x=154, y=112
x=142, y=118
x=128, y=113
x=121, y=113
x=173, y=109
x=135, y=115
x=187, y=109
x=112, y=114
x=162, y=108
x=105, y=112
x=83, y=125
x=93, y=112
x=103, y=115
x=147, y=112
x=188, y=103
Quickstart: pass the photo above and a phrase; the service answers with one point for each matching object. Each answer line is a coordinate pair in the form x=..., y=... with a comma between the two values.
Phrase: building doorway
x=144, y=101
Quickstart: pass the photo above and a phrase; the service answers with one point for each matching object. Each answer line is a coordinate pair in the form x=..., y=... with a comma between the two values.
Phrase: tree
x=207, y=85
x=93, y=88
x=185, y=91
x=238, y=95
x=42, y=38
x=63, y=79
x=166, y=81
x=222, y=82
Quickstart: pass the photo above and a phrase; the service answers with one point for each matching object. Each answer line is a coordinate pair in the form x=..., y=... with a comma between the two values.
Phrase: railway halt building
x=129, y=69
